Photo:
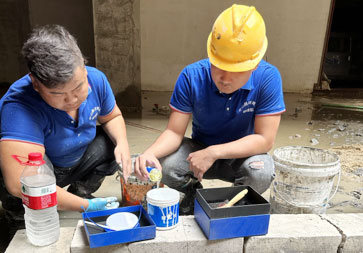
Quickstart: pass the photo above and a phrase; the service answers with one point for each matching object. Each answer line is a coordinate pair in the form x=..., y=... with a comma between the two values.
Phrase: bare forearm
x=69, y=201
x=261, y=142
x=116, y=130
x=66, y=200
x=165, y=144
x=244, y=147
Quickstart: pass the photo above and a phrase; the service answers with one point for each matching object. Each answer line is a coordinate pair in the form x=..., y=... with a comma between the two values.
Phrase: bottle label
x=39, y=197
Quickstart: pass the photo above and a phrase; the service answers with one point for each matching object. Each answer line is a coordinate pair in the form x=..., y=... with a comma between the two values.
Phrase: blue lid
x=149, y=168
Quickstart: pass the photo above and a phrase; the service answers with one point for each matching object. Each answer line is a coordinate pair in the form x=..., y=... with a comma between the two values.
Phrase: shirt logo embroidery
x=94, y=113
x=248, y=106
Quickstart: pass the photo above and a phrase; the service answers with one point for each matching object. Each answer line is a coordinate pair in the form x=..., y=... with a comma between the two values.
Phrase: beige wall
x=174, y=34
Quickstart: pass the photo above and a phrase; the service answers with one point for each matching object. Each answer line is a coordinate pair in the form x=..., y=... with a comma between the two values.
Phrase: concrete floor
x=307, y=117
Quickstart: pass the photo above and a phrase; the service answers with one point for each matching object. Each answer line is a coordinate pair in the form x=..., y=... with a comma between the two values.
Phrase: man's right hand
x=99, y=204
x=142, y=162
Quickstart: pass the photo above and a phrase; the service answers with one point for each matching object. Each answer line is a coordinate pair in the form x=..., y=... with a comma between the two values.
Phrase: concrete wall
x=19, y=17
x=14, y=25
x=116, y=25
x=76, y=16
x=106, y=30
x=296, y=31
x=174, y=34
x=143, y=44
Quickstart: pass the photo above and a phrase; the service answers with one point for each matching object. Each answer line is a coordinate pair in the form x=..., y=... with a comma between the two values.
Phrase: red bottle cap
x=35, y=156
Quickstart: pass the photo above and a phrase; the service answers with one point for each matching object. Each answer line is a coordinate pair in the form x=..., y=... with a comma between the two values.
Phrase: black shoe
x=186, y=207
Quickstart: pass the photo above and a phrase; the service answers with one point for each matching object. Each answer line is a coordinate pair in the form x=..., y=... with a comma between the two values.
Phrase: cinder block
x=173, y=240
x=185, y=237
x=296, y=233
x=20, y=243
x=80, y=243
x=197, y=242
x=351, y=226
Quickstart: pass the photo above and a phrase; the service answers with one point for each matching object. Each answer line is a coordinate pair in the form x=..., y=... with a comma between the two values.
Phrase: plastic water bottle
x=38, y=187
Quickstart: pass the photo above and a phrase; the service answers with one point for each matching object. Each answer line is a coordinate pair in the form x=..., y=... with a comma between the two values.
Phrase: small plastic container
x=248, y=217
x=163, y=207
x=155, y=174
x=98, y=237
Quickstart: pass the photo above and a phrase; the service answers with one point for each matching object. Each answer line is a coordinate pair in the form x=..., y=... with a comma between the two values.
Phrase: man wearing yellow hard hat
x=235, y=99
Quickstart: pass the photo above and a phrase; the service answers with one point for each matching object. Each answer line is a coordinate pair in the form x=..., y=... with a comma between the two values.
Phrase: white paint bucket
x=163, y=207
x=304, y=179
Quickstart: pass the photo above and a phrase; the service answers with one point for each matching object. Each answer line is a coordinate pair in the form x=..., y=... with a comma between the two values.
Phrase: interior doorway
x=342, y=66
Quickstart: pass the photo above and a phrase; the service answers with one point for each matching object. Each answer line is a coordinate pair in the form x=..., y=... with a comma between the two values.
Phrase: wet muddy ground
x=326, y=122
x=332, y=123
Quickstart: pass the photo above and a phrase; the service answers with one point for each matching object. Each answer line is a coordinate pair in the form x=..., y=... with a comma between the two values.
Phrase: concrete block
x=350, y=226
x=173, y=240
x=296, y=233
x=185, y=237
x=197, y=242
x=20, y=243
x=80, y=243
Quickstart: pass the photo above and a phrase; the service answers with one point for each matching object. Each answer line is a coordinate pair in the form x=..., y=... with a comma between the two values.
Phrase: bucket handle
x=308, y=206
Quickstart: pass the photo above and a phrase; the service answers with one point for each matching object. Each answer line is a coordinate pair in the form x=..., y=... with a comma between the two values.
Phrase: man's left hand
x=122, y=157
x=99, y=204
x=200, y=161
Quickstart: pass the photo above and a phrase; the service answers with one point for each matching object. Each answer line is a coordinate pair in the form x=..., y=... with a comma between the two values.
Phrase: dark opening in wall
x=343, y=63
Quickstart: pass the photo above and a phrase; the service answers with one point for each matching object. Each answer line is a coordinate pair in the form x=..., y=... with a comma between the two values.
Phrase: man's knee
x=258, y=172
x=174, y=170
x=106, y=169
x=176, y=167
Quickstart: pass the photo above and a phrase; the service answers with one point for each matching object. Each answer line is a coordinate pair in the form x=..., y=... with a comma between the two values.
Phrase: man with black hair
x=66, y=111
x=235, y=101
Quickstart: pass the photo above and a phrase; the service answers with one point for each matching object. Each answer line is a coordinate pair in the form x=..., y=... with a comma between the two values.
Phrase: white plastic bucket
x=304, y=179
x=163, y=207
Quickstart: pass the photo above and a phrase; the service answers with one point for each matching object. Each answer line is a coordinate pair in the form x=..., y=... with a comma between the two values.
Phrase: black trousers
x=84, y=178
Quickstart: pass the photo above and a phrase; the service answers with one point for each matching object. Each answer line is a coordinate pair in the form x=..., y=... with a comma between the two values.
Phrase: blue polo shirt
x=220, y=118
x=26, y=117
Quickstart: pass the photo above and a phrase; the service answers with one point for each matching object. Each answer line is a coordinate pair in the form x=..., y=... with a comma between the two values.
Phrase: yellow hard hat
x=238, y=39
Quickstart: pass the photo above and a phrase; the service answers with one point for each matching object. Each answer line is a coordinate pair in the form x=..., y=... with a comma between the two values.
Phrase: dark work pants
x=97, y=162
x=84, y=178
x=257, y=171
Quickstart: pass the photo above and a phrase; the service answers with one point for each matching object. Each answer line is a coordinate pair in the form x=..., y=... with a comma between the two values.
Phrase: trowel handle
x=236, y=198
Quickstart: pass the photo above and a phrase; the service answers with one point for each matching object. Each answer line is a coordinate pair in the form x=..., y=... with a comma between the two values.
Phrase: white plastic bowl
x=122, y=221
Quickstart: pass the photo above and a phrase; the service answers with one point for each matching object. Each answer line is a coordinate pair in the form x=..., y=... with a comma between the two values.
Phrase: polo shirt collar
x=248, y=86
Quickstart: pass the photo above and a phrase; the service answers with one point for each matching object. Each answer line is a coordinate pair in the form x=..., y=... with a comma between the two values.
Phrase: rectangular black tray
x=251, y=204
